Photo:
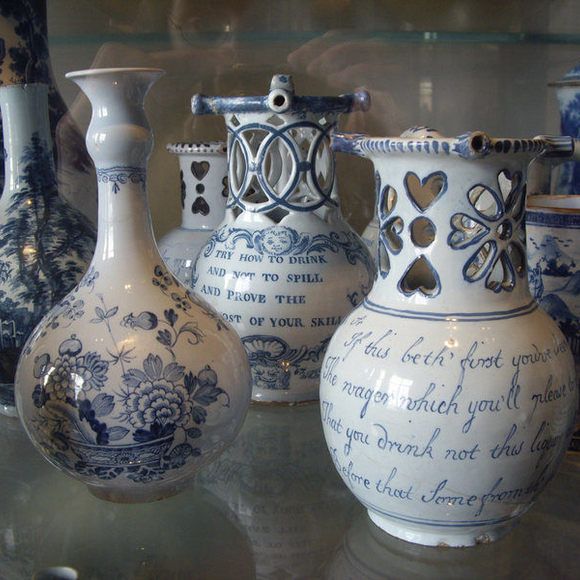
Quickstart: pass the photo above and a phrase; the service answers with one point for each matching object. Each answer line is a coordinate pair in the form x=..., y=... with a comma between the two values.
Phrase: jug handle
x=558, y=150
x=348, y=143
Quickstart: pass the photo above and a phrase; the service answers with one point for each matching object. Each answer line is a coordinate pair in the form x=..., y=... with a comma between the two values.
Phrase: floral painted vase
x=25, y=58
x=203, y=176
x=448, y=396
x=130, y=383
x=45, y=244
x=568, y=92
x=284, y=267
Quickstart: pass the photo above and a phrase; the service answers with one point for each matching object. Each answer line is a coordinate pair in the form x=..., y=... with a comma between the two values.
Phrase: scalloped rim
x=214, y=147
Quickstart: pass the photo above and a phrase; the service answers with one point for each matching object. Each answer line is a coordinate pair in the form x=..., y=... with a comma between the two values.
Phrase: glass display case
x=273, y=506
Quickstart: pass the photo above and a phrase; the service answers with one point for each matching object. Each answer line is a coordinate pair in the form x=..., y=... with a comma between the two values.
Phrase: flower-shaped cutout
x=496, y=228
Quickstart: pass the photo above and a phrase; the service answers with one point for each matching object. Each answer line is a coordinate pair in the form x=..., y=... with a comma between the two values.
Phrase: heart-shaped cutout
x=420, y=277
x=200, y=206
x=425, y=192
x=199, y=169
x=183, y=190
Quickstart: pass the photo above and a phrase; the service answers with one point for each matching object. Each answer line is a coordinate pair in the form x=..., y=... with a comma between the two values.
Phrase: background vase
x=284, y=267
x=24, y=58
x=203, y=176
x=448, y=397
x=131, y=383
x=568, y=93
x=45, y=244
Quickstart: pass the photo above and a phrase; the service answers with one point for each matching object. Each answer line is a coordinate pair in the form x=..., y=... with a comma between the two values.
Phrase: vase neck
x=26, y=135
x=451, y=234
x=119, y=139
x=203, y=184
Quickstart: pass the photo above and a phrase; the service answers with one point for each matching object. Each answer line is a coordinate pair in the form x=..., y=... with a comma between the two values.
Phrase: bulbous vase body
x=45, y=244
x=131, y=382
x=203, y=176
x=284, y=267
x=448, y=396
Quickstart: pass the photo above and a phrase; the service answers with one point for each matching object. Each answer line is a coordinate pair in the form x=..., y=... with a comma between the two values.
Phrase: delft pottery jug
x=203, y=177
x=45, y=244
x=448, y=396
x=284, y=267
x=24, y=59
x=130, y=383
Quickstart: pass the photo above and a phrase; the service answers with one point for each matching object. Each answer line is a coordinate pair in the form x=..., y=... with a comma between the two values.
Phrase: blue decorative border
x=439, y=523
x=120, y=175
x=462, y=146
x=554, y=220
x=459, y=316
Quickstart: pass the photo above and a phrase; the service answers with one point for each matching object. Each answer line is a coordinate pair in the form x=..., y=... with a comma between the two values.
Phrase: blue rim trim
x=438, y=523
x=459, y=316
x=554, y=220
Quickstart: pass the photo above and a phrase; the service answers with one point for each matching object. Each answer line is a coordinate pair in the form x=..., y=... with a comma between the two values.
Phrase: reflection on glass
x=279, y=480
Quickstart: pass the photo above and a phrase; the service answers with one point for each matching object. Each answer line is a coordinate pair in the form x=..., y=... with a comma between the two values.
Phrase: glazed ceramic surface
x=25, y=58
x=448, y=396
x=553, y=246
x=130, y=383
x=568, y=92
x=284, y=267
x=203, y=176
x=45, y=244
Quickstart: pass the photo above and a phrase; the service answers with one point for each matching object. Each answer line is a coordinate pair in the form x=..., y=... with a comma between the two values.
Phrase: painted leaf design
x=102, y=405
x=117, y=433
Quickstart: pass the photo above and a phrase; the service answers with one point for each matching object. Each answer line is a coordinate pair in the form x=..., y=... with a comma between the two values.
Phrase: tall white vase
x=130, y=384
x=203, y=175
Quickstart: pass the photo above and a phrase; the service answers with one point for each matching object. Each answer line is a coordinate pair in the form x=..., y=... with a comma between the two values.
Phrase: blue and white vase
x=568, y=92
x=285, y=268
x=448, y=397
x=131, y=383
x=203, y=175
x=25, y=58
x=45, y=244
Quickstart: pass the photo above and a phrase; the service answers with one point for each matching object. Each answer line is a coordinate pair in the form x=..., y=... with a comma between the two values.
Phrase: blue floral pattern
x=146, y=425
x=273, y=361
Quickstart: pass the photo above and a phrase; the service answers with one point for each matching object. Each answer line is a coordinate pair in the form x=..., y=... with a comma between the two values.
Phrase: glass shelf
x=424, y=37
x=272, y=506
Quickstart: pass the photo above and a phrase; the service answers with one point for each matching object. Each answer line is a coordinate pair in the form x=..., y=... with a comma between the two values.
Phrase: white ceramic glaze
x=284, y=267
x=448, y=396
x=130, y=383
x=203, y=175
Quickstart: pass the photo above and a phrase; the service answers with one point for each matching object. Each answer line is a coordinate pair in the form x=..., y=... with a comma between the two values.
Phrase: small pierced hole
x=477, y=143
x=279, y=100
x=422, y=232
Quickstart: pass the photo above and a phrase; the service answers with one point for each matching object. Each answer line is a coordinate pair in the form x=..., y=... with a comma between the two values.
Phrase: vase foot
x=7, y=402
x=441, y=536
x=135, y=495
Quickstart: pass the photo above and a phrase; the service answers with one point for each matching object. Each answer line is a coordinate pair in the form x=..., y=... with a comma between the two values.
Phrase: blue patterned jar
x=45, y=244
x=284, y=267
x=130, y=383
